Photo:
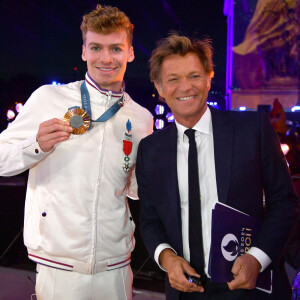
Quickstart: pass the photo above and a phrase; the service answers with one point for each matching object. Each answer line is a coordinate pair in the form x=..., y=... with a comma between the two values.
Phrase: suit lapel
x=172, y=190
x=223, y=140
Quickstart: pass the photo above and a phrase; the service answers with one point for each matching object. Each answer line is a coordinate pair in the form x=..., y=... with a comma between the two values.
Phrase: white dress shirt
x=208, y=188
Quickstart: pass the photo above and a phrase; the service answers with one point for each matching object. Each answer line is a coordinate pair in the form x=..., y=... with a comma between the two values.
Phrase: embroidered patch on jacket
x=127, y=146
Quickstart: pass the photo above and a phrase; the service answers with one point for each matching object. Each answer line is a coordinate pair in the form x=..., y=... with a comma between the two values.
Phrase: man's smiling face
x=185, y=86
x=107, y=56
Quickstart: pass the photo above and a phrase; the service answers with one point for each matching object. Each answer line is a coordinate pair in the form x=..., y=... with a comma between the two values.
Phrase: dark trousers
x=232, y=295
x=236, y=295
x=216, y=291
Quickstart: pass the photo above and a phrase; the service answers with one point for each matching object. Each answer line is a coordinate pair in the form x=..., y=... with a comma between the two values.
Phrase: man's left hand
x=245, y=271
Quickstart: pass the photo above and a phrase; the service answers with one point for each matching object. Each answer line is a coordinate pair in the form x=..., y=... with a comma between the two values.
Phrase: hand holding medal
x=78, y=119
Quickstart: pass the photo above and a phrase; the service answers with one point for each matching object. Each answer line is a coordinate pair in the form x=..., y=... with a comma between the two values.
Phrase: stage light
x=55, y=83
x=159, y=109
x=242, y=108
x=18, y=107
x=13, y=111
x=285, y=148
x=213, y=104
x=10, y=114
x=170, y=117
x=159, y=124
x=162, y=116
x=295, y=108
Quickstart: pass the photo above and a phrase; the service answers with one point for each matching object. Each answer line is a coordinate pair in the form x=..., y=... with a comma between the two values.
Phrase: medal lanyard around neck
x=86, y=105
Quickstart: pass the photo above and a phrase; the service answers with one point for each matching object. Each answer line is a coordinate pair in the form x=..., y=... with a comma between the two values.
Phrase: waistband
x=72, y=265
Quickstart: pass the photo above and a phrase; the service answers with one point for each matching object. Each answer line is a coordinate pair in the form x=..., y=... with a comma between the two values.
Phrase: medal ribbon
x=86, y=105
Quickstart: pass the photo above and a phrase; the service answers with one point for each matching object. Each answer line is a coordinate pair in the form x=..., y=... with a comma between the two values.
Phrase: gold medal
x=78, y=119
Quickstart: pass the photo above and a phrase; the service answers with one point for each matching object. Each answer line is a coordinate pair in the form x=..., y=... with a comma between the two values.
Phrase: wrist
x=165, y=257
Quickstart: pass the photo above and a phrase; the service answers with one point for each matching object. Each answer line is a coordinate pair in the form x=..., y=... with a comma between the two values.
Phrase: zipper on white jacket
x=109, y=95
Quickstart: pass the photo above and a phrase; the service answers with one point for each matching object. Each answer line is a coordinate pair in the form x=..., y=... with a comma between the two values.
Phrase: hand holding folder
x=232, y=234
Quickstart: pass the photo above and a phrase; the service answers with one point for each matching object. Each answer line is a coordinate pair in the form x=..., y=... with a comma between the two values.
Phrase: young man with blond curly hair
x=79, y=142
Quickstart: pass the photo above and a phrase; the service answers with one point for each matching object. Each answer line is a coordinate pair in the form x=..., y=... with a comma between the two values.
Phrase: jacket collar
x=105, y=92
x=171, y=180
x=223, y=143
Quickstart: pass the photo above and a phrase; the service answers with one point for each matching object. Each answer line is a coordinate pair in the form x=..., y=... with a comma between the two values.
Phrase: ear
x=130, y=55
x=159, y=89
x=208, y=83
x=83, y=56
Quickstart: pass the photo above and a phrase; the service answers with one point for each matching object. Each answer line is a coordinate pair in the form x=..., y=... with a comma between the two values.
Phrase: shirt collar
x=204, y=125
x=93, y=84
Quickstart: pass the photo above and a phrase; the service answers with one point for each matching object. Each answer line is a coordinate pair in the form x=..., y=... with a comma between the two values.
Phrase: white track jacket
x=76, y=212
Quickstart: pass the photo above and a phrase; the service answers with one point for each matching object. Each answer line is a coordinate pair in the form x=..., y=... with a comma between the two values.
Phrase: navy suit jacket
x=248, y=162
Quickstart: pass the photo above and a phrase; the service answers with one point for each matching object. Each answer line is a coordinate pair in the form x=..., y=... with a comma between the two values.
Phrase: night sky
x=41, y=41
